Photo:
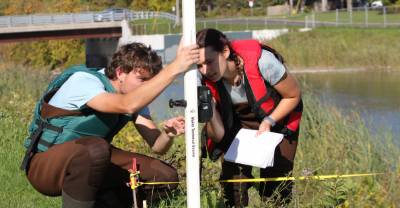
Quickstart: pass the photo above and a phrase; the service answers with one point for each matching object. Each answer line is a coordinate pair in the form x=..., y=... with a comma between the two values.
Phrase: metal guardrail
x=340, y=18
x=86, y=17
x=377, y=17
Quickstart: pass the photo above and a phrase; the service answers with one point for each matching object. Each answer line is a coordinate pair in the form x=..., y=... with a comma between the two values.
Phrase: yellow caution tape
x=254, y=180
x=160, y=183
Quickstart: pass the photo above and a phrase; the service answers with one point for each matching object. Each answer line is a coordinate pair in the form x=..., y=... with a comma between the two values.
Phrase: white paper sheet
x=254, y=151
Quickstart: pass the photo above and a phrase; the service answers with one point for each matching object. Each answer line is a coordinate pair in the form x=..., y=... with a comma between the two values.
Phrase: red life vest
x=262, y=98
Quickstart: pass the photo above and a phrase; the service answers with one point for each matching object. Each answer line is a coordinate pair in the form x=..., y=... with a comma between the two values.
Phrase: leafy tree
x=154, y=5
x=68, y=6
x=53, y=54
x=96, y=5
x=231, y=7
x=139, y=4
x=158, y=5
x=66, y=52
x=205, y=5
x=23, y=7
x=3, y=6
x=390, y=2
x=36, y=54
x=123, y=3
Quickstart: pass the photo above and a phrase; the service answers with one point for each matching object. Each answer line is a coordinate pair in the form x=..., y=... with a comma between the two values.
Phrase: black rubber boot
x=69, y=202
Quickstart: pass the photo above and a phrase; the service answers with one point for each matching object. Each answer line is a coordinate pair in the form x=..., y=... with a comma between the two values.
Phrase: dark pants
x=89, y=169
x=236, y=193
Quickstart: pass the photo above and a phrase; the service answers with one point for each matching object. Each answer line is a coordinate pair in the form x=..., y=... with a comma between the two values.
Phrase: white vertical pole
x=9, y=21
x=266, y=21
x=313, y=20
x=337, y=17
x=384, y=16
x=191, y=120
x=306, y=22
x=351, y=17
x=366, y=16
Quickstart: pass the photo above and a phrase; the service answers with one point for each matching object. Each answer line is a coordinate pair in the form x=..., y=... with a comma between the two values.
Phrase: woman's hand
x=174, y=126
x=265, y=126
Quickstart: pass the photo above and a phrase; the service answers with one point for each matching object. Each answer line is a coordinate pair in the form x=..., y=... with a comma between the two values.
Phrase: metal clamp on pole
x=177, y=103
x=204, y=111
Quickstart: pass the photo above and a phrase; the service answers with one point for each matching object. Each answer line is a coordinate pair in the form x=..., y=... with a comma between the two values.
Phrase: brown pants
x=89, y=169
x=236, y=193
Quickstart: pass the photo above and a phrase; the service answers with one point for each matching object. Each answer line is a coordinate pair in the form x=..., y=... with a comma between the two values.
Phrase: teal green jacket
x=60, y=129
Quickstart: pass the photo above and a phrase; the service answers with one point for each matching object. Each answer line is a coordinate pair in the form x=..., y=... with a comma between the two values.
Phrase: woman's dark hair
x=217, y=40
x=133, y=56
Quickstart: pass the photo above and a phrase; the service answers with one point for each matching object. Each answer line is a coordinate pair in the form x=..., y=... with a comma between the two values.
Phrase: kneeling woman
x=251, y=89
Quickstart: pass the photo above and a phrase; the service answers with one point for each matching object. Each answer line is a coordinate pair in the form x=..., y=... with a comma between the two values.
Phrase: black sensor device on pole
x=205, y=112
x=204, y=104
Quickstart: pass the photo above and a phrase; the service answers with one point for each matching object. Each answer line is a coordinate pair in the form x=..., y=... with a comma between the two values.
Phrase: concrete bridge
x=73, y=25
x=102, y=37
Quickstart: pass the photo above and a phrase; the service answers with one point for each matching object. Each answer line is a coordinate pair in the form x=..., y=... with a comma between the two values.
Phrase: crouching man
x=69, y=151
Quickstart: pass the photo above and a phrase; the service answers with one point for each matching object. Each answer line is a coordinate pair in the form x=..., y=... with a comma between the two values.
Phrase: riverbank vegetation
x=330, y=143
x=340, y=48
x=319, y=48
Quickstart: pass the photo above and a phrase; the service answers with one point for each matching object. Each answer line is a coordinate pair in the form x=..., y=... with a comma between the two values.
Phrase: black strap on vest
x=230, y=120
x=35, y=137
x=47, y=111
x=256, y=107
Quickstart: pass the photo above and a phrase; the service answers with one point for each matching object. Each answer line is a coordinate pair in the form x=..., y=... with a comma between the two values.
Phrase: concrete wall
x=99, y=51
x=278, y=10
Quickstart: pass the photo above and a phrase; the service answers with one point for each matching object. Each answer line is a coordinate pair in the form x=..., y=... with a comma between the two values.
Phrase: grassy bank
x=19, y=88
x=320, y=48
x=330, y=143
x=341, y=48
x=357, y=16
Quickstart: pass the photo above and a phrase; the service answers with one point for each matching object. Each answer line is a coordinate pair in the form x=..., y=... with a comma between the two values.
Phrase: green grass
x=374, y=16
x=357, y=17
x=330, y=143
x=162, y=26
x=327, y=47
x=340, y=48
x=19, y=88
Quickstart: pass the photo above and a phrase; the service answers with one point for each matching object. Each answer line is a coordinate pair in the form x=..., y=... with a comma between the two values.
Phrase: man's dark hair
x=133, y=56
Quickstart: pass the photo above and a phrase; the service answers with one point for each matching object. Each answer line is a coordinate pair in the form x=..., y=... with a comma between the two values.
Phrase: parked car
x=376, y=4
x=112, y=14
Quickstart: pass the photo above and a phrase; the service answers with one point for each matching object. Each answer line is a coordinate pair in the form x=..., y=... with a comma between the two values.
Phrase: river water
x=374, y=94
